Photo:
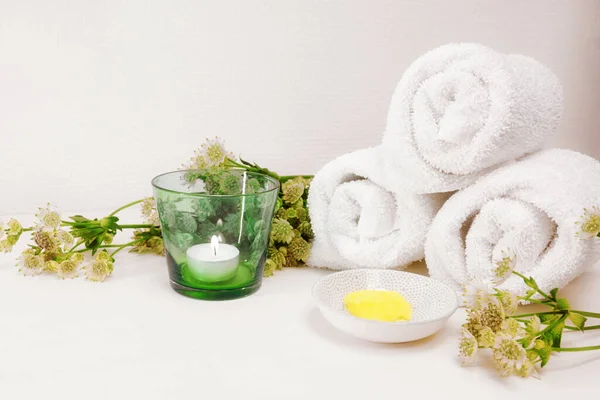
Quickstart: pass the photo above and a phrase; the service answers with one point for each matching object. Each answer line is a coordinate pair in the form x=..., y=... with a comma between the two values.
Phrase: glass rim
x=276, y=183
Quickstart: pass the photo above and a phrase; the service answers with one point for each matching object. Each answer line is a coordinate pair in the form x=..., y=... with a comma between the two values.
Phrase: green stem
x=539, y=302
x=133, y=203
x=257, y=169
x=585, y=328
x=121, y=247
x=576, y=348
x=28, y=229
x=286, y=178
x=136, y=226
x=536, y=288
x=552, y=325
x=586, y=313
x=77, y=245
x=104, y=246
x=536, y=313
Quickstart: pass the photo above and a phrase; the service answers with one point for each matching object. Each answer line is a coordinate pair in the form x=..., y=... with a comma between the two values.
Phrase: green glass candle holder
x=215, y=227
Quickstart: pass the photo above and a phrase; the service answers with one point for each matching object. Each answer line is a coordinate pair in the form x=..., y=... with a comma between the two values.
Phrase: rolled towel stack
x=526, y=211
x=461, y=110
x=358, y=223
x=458, y=112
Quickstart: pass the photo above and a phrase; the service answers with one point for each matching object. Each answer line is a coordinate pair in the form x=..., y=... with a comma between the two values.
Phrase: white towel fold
x=463, y=109
x=529, y=209
x=360, y=224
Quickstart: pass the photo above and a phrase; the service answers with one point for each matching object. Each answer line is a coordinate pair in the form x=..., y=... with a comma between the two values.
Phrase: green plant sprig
x=59, y=245
x=555, y=319
x=519, y=341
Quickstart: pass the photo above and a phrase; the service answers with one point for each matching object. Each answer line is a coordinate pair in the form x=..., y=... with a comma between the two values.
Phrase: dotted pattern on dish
x=429, y=298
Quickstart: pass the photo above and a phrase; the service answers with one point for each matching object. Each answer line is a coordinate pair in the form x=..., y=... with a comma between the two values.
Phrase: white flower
x=100, y=268
x=2, y=230
x=64, y=238
x=48, y=218
x=149, y=211
x=589, y=223
x=214, y=152
x=467, y=348
x=491, y=314
x=14, y=227
x=487, y=337
x=475, y=293
x=211, y=154
x=77, y=258
x=504, y=267
x=533, y=326
x=68, y=269
x=509, y=355
x=29, y=263
x=527, y=369
x=512, y=328
x=509, y=301
x=196, y=162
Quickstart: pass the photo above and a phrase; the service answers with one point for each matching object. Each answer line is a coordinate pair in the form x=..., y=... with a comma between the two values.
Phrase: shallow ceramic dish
x=432, y=302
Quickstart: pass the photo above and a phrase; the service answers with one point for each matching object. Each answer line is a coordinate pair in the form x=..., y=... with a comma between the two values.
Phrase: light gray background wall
x=97, y=97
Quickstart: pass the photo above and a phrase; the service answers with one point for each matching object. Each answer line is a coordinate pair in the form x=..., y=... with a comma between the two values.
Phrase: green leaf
x=554, y=335
x=282, y=231
x=187, y=224
x=562, y=304
x=79, y=218
x=531, y=283
x=544, y=354
x=578, y=320
x=547, y=319
x=529, y=293
x=553, y=293
x=277, y=256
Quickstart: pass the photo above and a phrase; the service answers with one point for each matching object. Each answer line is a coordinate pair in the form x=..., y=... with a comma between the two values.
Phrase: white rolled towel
x=360, y=224
x=463, y=109
x=527, y=211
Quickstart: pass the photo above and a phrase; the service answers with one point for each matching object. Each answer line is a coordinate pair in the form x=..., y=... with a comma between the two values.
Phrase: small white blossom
x=512, y=328
x=100, y=268
x=475, y=293
x=211, y=154
x=64, y=238
x=14, y=227
x=29, y=263
x=533, y=326
x=504, y=267
x=149, y=211
x=509, y=355
x=68, y=269
x=214, y=152
x=48, y=218
x=486, y=338
x=589, y=223
x=509, y=301
x=2, y=230
x=527, y=369
x=467, y=348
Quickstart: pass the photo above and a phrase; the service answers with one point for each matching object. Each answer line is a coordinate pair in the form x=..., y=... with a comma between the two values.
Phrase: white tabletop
x=133, y=337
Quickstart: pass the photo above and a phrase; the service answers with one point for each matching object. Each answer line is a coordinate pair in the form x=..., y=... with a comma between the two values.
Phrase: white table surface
x=133, y=337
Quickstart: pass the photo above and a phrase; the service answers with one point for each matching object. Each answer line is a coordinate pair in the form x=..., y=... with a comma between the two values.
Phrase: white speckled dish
x=432, y=302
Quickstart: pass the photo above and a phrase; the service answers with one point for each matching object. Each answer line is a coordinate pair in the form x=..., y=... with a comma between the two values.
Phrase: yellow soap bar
x=378, y=305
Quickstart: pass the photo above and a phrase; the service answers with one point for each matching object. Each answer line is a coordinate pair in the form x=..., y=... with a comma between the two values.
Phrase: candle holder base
x=216, y=294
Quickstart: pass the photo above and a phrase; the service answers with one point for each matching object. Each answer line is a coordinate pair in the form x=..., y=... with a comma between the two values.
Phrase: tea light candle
x=214, y=261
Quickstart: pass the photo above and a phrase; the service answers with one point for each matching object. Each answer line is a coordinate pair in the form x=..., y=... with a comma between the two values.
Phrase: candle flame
x=214, y=243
